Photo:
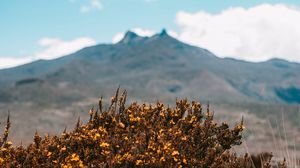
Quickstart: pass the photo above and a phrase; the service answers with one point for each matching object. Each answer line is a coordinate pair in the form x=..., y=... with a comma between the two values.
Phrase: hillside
x=163, y=65
x=49, y=95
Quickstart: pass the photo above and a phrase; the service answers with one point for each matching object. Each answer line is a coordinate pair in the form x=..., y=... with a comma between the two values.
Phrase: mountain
x=158, y=66
x=49, y=95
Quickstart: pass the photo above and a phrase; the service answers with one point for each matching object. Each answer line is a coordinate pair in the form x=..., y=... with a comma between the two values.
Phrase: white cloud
x=256, y=34
x=116, y=38
x=173, y=33
x=92, y=5
x=141, y=32
x=51, y=48
x=54, y=48
x=8, y=62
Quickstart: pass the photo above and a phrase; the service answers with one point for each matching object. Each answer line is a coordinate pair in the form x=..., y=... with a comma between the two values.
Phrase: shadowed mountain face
x=158, y=66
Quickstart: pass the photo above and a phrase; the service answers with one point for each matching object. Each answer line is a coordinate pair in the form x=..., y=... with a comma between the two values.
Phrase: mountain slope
x=158, y=66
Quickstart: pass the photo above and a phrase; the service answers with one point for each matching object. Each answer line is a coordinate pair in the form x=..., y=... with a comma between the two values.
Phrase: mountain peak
x=163, y=33
x=130, y=36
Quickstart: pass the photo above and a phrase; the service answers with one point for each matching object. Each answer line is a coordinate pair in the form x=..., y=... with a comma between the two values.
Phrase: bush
x=139, y=135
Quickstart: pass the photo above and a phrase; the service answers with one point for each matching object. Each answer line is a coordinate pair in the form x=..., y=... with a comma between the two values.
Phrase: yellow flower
x=175, y=153
x=80, y=164
x=162, y=159
x=184, y=161
x=121, y=125
x=105, y=152
x=97, y=135
x=127, y=155
x=9, y=143
x=104, y=144
x=1, y=160
x=3, y=149
x=192, y=119
x=241, y=126
x=138, y=162
x=49, y=154
x=167, y=145
x=101, y=129
x=75, y=157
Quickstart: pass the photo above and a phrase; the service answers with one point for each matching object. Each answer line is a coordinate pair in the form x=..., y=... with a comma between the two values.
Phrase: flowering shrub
x=139, y=135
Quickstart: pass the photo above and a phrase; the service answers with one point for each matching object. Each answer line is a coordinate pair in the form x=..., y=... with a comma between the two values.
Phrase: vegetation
x=138, y=135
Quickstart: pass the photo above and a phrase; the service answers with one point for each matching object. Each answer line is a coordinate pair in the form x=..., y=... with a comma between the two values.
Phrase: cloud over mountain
x=140, y=31
x=51, y=48
x=256, y=34
x=54, y=48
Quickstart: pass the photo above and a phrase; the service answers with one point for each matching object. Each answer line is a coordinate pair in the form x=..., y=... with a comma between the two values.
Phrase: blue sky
x=24, y=24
